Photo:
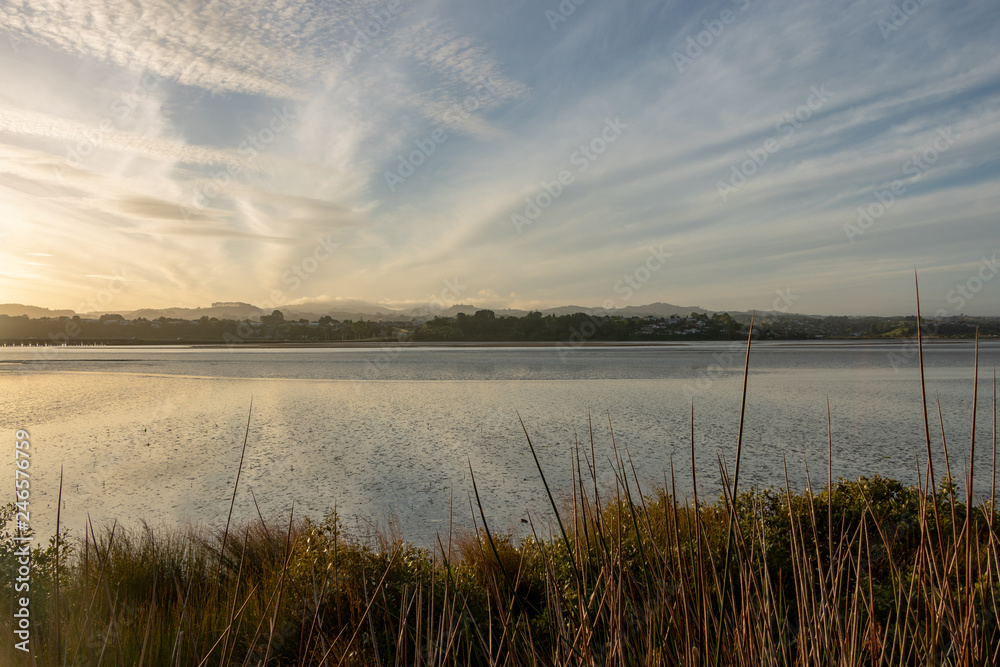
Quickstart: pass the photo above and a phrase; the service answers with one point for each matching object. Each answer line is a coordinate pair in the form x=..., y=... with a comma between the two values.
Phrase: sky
x=795, y=155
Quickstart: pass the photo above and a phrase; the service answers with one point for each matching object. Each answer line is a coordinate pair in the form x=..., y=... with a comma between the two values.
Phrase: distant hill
x=235, y=310
x=34, y=312
x=657, y=309
x=467, y=309
x=341, y=309
x=223, y=311
x=312, y=314
x=347, y=309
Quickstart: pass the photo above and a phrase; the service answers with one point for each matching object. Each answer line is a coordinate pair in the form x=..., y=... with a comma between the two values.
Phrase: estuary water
x=155, y=434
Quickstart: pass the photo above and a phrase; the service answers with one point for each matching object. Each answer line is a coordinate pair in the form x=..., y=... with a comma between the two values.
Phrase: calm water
x=155, y=433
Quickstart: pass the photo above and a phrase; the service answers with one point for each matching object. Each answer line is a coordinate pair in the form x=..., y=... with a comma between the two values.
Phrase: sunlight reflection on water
x=155, y=433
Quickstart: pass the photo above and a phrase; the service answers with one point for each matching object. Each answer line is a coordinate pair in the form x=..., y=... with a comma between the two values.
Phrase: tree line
x=483, y=326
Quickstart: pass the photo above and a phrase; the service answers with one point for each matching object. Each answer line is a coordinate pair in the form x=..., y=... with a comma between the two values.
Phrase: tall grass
x=860, y=572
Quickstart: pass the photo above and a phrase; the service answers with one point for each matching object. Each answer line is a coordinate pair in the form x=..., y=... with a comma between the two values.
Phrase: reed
x=861, y=572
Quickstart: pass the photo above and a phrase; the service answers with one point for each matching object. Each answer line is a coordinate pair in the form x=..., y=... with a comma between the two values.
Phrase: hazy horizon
x=735, y=154
x=431, y=308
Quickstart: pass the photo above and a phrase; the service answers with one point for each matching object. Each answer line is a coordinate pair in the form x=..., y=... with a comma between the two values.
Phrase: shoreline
x=360, y=344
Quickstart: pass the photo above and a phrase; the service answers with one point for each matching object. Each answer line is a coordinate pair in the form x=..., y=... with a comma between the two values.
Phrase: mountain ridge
x=348, y=310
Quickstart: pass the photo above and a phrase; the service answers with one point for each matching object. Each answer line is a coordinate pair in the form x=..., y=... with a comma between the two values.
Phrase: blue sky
x=518, y=154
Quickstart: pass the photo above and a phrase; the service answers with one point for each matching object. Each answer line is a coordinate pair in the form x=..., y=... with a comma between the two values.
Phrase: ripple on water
x=165, y=447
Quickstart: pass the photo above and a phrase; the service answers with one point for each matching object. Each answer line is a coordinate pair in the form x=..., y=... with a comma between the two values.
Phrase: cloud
x=223, y=139
x=35, y=124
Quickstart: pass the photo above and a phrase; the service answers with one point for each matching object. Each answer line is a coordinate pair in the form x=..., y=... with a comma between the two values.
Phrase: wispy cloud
x=209, y=146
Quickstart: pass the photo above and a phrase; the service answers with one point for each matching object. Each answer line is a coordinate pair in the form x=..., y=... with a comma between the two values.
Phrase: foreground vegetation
x=866, y=572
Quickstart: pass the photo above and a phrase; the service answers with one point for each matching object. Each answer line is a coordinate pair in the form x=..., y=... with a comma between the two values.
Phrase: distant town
x=467, y=324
